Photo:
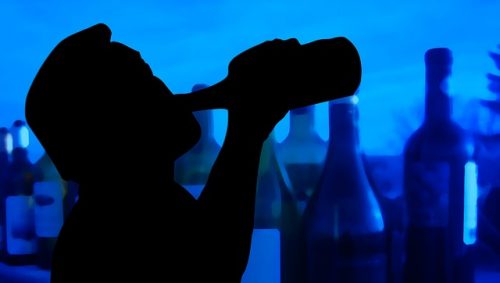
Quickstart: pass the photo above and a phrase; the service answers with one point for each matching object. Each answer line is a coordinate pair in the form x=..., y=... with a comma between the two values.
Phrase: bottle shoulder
x=438, y=141
x=341, y=206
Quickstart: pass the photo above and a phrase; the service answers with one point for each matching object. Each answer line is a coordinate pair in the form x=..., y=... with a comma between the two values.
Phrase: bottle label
x=20, y=227
x=427, y=188
x=49, y=216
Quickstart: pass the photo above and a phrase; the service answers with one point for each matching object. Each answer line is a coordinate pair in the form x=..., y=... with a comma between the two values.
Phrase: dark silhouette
x=114, y=128
x=110, y=125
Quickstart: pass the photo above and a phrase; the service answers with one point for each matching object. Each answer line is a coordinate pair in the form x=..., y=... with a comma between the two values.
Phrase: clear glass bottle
x=302, y=155
x=192, y=169
x=437, y=161
x=19, y=205
x=344, y=228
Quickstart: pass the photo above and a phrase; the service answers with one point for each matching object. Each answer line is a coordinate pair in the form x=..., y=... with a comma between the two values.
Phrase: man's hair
x=54, y=103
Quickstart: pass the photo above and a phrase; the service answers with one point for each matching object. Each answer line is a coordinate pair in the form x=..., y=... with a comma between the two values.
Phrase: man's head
x=94, y=101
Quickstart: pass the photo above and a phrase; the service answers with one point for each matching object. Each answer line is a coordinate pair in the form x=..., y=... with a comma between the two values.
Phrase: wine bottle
x=19, y=205
x=344, y=228
x=437, y=163
x=320, y=70
x=302, y=154
x=192, y=169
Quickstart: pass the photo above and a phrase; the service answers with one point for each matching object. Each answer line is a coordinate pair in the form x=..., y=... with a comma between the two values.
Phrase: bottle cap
x=438, y=56
x=19, y=123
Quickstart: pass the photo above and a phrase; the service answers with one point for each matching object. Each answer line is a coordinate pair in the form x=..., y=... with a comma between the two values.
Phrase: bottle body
x=302, y=154
x=344, y=226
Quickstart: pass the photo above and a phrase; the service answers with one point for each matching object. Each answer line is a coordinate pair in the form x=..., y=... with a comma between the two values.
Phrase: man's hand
x=267, y=66
x=257, y=79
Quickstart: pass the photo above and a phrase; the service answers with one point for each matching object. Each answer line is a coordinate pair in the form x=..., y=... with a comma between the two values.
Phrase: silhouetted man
x=110, y=125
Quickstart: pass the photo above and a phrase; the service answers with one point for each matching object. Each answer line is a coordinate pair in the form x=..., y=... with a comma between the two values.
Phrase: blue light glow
x=321, y=120
x=20, y=137
x=470, y=203
x=24, y=139
x=264, y=262
x=187, y=42
x=9, y=143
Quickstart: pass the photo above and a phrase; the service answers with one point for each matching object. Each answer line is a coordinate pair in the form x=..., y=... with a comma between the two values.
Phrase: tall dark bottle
x=437, y=163
x=193, y=168
x=344, y=228
x=5, y=147
x=19, y=205
x=302, y=154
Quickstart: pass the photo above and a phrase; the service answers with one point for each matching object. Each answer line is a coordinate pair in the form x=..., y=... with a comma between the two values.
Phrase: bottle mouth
x=332, y=65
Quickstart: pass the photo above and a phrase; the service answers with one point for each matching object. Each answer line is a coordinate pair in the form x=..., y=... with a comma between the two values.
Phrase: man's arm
x=227, y=202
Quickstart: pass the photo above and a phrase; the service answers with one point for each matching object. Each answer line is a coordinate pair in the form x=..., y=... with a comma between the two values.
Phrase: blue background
x=192, y=41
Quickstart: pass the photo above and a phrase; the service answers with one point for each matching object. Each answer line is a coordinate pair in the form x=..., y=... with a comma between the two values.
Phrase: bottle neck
x=437, y=100
x=437, y=106
x=344, y=141
x=302, y=122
